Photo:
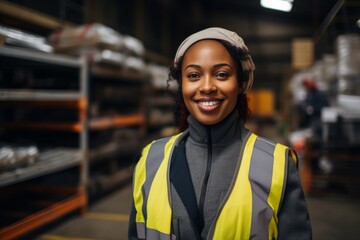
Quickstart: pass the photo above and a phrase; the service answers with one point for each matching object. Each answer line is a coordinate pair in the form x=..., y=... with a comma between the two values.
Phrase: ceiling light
x=281, y=5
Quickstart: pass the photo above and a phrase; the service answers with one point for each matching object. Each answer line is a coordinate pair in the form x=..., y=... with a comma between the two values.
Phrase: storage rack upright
x=55, y=184
x=117, y=126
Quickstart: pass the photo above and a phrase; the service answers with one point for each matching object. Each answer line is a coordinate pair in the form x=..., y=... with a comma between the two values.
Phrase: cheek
x=233, y=98
x=231, y=89
x=188, y=89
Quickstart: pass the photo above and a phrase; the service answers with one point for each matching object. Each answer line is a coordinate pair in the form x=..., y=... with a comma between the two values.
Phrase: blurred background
x=83, y=88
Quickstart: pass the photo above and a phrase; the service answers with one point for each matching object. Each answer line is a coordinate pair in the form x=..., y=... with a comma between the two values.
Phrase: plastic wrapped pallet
x=16, y=37
x=348, y=62
x=107, y=57
x=159, y=76
x=86, y=36
x=348, y=54
x=134, y=63
x=101, y=44
x=133, y=46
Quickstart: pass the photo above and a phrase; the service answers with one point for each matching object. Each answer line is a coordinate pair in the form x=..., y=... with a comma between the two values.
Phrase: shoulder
x=263, y=143
x=273, y=148
x=266, y=145
x=161, y=141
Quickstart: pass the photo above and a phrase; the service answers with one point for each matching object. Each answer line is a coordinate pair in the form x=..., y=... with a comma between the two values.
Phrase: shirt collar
x=222, y=133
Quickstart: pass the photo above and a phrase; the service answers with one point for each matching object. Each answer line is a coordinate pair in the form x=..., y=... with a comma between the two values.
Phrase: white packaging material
x=134, y=63
x=348, y=55
x=133, y=45
x=349, y=104
x=329, y=114
x=108, y=57
x=20, y=38
x=159, y=75
x=88, y=35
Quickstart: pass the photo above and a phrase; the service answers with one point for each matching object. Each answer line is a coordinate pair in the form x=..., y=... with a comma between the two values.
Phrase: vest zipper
x=208, y=140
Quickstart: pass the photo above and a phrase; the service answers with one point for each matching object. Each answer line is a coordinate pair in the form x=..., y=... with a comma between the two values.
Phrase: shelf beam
x=49, y=162
x=79, y=103
x=95, y=124
x=38, y=219
x=29, y=94
x=117, y=73
x=31, y=16
x=20, y=53
x=61, y=126
x=117, y=121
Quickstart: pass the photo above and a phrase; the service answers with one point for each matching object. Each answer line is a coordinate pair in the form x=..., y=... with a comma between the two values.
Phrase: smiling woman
x=216, y=179
x=243, y=68
x=209, y=82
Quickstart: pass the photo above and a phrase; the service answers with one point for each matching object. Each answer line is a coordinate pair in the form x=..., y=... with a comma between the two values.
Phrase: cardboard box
x=302, y=53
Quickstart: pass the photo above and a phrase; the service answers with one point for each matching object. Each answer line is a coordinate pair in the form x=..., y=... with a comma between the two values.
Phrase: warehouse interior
x=83, y=88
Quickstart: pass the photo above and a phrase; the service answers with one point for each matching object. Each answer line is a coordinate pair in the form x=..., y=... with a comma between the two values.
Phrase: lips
x=208, y=105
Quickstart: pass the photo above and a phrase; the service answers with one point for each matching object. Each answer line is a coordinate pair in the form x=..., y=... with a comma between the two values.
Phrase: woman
x=216, y=179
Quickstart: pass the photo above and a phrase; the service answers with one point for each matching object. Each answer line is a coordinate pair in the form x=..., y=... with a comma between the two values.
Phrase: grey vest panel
x=260, y=176
x=140, y=229
x=153, y=161
x=150, y=234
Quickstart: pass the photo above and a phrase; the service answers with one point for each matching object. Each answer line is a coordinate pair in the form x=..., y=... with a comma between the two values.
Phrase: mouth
x=209, y=105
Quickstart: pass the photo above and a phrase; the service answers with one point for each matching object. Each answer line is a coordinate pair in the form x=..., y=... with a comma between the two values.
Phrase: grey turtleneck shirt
x=226, y=139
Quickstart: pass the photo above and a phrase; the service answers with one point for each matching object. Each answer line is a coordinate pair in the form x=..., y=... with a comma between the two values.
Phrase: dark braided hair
x=181, y=112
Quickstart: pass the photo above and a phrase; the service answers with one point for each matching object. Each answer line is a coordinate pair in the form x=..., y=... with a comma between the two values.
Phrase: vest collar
x=222, y=133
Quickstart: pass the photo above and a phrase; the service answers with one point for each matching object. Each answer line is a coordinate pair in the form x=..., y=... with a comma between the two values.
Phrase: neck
x=222, y=133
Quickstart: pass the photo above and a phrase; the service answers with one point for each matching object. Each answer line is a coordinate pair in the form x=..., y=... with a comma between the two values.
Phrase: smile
x=209, y=103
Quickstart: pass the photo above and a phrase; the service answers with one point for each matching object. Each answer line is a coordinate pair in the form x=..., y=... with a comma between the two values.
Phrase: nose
x=207, y=85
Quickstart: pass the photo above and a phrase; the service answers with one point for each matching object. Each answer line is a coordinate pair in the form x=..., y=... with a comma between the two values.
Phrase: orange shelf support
x=38, y=219
x=72, y=127
x=117, y=121
x=80, y=103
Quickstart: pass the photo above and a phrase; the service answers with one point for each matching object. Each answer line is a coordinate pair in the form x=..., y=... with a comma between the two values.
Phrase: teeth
x=209, y=103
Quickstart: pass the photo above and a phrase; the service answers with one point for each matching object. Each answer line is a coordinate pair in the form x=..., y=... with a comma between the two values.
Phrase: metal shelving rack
x=54, y=160
x=50, y=161
x=109, y=162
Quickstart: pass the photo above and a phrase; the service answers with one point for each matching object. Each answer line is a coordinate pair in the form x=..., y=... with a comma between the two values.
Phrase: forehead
x=208, y=49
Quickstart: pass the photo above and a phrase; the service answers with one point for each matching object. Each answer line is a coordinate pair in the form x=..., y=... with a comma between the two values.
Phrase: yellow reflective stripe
x=234, y=221
x=277, y=185
x=294, y=156
x=158, y=205
x=139, y=179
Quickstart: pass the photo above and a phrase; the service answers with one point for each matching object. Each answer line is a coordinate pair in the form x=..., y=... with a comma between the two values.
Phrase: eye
x=193, y=76
x=222, y=75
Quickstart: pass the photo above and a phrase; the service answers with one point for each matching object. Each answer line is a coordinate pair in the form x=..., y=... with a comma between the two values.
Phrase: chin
x=209, y=121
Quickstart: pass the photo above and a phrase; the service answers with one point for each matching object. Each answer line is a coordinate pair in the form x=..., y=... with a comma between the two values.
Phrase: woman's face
x=209, y=81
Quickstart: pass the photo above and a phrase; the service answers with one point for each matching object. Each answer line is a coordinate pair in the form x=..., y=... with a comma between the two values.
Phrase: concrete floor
x=333, y=218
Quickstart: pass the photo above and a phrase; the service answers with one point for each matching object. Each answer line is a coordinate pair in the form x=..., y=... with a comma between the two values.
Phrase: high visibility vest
x=250, y=209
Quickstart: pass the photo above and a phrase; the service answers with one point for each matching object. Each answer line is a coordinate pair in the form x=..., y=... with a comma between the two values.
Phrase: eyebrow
x=222, y=65
x=216, y=65
x=192, y=65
